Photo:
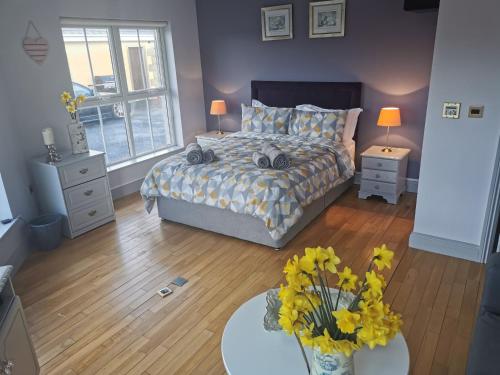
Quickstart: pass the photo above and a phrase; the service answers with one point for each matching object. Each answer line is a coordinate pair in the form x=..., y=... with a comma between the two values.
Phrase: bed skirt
x=245, y=227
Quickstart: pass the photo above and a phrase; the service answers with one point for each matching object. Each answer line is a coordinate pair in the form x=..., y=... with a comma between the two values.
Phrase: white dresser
x=209, y=138
x=383, y=173
x=77, y=188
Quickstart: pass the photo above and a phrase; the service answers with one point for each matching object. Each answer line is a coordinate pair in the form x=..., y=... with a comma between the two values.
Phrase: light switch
x=476, y=111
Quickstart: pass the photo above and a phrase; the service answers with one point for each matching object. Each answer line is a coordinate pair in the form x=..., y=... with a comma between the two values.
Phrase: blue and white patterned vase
x=331, y=364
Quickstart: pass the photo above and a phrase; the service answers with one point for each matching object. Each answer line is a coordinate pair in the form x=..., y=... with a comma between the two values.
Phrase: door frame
x=492, y=212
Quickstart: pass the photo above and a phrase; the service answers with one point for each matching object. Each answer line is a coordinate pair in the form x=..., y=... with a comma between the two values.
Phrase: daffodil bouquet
x=311, y=311
x=71, y=104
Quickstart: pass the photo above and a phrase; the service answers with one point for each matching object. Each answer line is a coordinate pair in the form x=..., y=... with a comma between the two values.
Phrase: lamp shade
x=218, y=107
x=389, y=116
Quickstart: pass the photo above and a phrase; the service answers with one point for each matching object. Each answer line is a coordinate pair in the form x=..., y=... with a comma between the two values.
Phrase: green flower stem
x=303, y=352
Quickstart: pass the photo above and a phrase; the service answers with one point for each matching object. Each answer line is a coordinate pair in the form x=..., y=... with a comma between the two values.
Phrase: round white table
x=247, y=348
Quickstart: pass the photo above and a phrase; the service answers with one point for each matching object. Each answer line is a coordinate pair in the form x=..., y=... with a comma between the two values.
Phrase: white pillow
x=350, y=124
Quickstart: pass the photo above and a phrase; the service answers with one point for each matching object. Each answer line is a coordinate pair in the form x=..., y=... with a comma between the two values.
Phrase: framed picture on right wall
x=326, y=19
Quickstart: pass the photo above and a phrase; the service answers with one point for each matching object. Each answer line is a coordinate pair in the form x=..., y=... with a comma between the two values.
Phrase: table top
x=396, y=153
x=248, y=349
x=213, y=135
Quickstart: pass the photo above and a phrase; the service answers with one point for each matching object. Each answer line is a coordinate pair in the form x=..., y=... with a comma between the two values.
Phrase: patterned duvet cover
x=233, y=181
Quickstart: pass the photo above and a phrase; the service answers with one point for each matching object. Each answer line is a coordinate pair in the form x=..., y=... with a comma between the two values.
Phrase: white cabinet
x=17, y=356
x=77, y=188
x=384, y=173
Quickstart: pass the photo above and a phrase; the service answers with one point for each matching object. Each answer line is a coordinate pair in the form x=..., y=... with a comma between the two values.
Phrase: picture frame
x=327, y=19
x=451, y=110
x=277, y=22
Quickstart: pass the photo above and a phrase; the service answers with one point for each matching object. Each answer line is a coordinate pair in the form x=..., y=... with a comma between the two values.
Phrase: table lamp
x=389, y=116
x=218, y=108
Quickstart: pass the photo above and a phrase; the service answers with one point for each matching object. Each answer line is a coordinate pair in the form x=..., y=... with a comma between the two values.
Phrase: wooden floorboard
x=92, y=306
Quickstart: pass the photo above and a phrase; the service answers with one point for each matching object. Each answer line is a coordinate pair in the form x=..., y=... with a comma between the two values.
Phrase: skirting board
x=126, y=189
x=411, y=183
x=445, y=246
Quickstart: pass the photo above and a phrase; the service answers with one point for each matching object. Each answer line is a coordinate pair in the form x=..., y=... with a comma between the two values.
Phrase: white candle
x=48, y=136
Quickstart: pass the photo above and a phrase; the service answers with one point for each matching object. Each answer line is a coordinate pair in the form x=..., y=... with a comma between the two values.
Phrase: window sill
x=166, y=152
x=4, y=228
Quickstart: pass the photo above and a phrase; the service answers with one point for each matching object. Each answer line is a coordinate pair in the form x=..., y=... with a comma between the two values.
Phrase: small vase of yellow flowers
x=336, y=322
x=76, y=130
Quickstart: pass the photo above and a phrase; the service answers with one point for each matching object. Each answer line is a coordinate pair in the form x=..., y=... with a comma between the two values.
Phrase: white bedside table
x=384, y=173
x=208, y=138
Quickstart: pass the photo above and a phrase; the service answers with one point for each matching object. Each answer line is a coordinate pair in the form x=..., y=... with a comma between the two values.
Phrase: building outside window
x=122, y=71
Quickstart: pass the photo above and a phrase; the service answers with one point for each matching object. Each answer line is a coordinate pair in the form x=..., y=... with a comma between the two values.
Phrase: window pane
x=132, y=59
x=115, y=133
x=102, y=65
x=106, y=121
x=78, y=61
x=140, y=126
x=159, y=122
x=149, y=45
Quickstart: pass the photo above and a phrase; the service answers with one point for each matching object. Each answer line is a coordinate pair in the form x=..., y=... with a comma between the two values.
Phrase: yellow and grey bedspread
x=235, y=183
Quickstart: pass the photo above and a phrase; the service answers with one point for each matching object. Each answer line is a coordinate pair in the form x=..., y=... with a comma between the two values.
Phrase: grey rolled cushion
x=194, y=153
x=208, y=156
x=278, y=158
x=483, y=352
x=261, y=160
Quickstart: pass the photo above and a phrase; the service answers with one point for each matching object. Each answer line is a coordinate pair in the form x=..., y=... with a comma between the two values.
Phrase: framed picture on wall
x=277, y=22
x=326, y=19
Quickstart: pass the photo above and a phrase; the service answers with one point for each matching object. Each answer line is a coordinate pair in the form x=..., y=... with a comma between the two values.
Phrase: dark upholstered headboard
x=332, y=95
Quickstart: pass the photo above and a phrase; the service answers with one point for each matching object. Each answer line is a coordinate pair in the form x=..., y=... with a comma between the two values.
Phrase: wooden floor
x=92, y=305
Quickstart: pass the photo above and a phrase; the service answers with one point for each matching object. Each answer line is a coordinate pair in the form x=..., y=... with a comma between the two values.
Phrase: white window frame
x=124, y=95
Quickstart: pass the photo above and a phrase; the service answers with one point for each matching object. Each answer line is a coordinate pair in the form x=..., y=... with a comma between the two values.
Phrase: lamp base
x=387, y=149
x=220, y=132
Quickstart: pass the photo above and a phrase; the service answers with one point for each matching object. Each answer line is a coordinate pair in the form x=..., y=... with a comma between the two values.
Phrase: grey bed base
x=245, y=227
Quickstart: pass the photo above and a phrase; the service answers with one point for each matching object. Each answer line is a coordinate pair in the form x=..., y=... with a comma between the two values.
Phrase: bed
x=321, y=172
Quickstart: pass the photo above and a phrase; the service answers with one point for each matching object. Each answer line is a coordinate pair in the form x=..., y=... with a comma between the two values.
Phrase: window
x=121, y=70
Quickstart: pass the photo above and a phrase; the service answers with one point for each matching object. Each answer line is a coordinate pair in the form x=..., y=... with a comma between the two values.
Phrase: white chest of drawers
x=77, y=188
x=383, y=173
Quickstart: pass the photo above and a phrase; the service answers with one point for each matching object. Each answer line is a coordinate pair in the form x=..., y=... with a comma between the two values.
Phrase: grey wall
x=459, y=155
x=34, y=89
x=387, y=49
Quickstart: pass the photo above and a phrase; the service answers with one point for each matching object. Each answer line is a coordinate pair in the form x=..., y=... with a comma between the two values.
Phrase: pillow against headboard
x=265, y=119
x=319, y=124
x=351, y=121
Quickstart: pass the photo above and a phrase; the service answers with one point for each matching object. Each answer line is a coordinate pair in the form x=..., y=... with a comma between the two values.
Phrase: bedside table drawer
x=379, y=175
x=82, y=171
x=84, y=217
x=86, y=193
x=375, y=187
x=380, y=164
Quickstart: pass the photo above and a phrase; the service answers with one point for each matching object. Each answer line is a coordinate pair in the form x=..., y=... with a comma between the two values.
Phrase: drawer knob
x=377, y=187
x=377, y=176
x=379, y=164
x=92, y=213
x=88, y=193
x=84, y=170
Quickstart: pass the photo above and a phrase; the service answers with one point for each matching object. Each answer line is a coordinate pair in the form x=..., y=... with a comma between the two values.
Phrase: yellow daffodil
x=294, y=275
x=382, y=257
x=71, y=108
x=375, y=283
x=65, y=97
x=330, y=260
x=371, y=309
x=346, y=321
x=345, y=346
x=80, y=99
x=347, y=280
x=308, y=261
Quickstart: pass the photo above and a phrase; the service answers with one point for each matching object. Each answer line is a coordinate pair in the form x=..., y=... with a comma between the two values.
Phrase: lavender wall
x=386, y=48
